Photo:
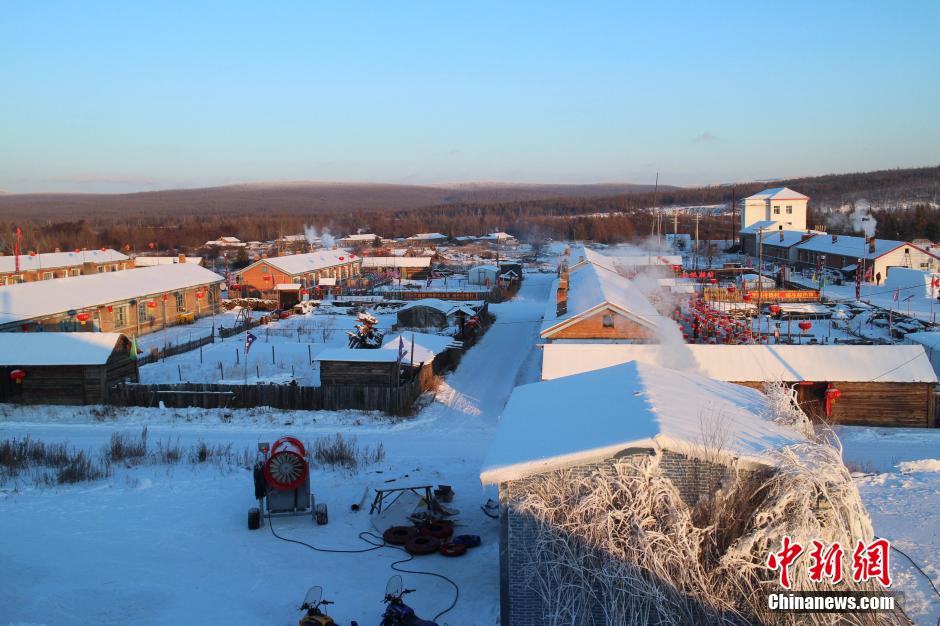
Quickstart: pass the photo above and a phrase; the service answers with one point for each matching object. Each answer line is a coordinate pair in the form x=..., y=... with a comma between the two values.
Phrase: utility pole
x=698, y=216
x=658, y=213
x=733, y=207
x=760, y=280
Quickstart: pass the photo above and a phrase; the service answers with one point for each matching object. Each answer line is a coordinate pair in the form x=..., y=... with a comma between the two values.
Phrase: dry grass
x=344, y=452
x=124, y=448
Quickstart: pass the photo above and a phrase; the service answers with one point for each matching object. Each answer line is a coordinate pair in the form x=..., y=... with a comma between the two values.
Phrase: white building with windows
x=781, y=205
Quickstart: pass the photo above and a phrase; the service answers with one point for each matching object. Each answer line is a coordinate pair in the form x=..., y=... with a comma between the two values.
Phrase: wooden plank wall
x=869, y=403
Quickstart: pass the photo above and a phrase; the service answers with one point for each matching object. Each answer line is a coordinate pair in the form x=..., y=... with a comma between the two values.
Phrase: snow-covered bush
x=622, y=541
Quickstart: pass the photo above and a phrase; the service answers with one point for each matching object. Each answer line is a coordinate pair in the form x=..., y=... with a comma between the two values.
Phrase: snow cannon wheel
x=453, y=548
x=254, y=518
x=286, y=466
x=421, y=545
x=399, y=535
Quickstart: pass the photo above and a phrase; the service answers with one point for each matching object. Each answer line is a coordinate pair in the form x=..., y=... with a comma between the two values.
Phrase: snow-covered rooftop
x=32, y=349
x=48, y=297
x=778, y=193
x=593, y=416
x=396, y=261
x=441, y=305
x=361, y=237
x=428, y=236
x=56, y=260
x=591, y=285
x=850, y=246
x=752, y=363
x=148, y=261
x=786, y=238
x=309, y=261
x=359, y=355
x=762, y=225
x=427, y=346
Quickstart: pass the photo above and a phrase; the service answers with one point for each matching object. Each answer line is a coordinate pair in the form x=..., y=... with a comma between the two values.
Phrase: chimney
x=835, y=238
x=181, y=258
x=871, y=245
x=561, y=304
x=780, y=229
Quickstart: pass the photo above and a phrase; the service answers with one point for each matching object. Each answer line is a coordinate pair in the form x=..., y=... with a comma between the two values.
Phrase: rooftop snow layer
x=754, y=363
x=778, y=193
x=148, y=261
x=294, y=264
x=850, y=246
x=591, y=285
x=32, y=349
x=789, y=237
x=592, y=416
x=57, y=260
x=762, y=225
x=396, y=261
x=48, y=297
x=361, y=355
x=443, y=306
x=427, y=346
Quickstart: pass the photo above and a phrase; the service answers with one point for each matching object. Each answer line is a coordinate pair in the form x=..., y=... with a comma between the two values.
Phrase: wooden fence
x=393, y=400
x=179, y=348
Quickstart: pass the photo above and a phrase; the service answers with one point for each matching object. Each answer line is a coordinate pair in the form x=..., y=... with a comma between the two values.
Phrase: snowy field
x=168, y=544
x=284, y=350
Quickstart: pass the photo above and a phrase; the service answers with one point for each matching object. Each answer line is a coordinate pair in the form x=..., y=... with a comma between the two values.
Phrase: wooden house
x=397, y=266
x=50, y=265
x=592, y=424
x=362, y=367
x=133, y=302
x=63, y=368
x=309, y=270
x=434, y=313
x=876, y=385
x=594, y=302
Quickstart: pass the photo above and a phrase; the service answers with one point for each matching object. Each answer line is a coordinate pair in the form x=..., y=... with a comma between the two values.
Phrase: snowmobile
x=312, y=603
x=397, y=613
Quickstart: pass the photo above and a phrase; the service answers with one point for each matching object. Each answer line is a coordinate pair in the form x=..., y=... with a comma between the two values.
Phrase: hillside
x=290, y=198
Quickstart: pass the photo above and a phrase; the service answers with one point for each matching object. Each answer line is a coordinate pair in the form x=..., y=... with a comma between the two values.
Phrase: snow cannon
x=282, y=481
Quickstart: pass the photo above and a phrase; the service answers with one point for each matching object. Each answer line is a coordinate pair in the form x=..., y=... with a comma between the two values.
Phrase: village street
x=161, y=543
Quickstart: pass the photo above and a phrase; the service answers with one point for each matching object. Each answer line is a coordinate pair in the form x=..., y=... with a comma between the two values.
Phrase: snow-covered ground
x=897, y=471
x=168, y=544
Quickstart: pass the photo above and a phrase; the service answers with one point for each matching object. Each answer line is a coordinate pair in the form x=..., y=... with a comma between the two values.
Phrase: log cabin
x=134, y=302
x=64, y=368
x=310, y=270
x=877, y=385
x=50, y=265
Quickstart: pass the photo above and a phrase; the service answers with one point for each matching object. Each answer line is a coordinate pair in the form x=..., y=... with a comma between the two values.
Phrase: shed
x=879, y=385
x=349, y=366
x=433, y=313
x=484, y=275
x=428, y=348
x=597, y=419
x=64, y=368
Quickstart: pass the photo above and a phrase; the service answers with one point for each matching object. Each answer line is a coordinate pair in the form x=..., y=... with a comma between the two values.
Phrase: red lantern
x=151, y=304
x=104, y=249
x=77, y=250
x=731, y=289
x=110, y=308
x=774, y=308
x=713, y=281
x=17, y=376
x=83, y=317
x=746, y=297
x=342, y=258
x=832, y=394
x=711, y=274
x=200, y=294
x=352, y=256
x=152, y=245
x=805, y=326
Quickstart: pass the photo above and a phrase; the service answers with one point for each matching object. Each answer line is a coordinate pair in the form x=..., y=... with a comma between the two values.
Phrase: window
x=142, y=312
x=120, y=316
x=608, y=321
x=180, y=300
x=101, y=269
x=776, y=210
x=789, y=210
x=48, y=275
x=75, y=271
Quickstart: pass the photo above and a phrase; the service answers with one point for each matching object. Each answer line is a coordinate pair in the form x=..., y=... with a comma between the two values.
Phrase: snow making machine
x=282, y=483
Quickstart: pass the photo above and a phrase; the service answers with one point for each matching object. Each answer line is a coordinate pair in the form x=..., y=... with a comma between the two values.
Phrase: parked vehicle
x=397, y=613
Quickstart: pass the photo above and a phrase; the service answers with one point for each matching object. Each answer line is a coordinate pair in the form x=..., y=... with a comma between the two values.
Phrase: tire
x=254, y=518
x=441, y=530
x=421, y=545
x=452, y=548
x=399, y=535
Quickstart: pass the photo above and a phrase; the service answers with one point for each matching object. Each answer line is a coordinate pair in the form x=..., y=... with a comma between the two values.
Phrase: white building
x=779, y=204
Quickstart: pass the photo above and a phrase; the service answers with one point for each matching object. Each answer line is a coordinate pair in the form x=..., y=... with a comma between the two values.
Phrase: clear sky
x=123, y=96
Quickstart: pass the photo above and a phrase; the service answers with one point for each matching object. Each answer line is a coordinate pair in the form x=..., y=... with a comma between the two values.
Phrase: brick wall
x=593, y=328
x=520, y=604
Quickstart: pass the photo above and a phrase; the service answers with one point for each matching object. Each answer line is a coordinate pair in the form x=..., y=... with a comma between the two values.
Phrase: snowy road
x=160, y=544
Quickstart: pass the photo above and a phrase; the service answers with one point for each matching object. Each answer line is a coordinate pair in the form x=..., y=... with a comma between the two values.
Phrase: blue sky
x=124, y=96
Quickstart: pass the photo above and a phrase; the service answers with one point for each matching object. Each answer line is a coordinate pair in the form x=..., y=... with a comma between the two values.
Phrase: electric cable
x=364, y=536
